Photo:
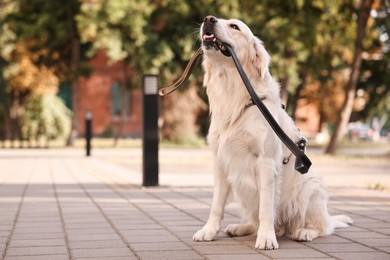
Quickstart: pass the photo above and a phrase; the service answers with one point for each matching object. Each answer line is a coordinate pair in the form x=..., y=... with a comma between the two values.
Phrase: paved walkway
x=57, y=204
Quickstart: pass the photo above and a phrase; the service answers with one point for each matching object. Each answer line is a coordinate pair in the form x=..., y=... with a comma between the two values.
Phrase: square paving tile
x=344, y=247
x=172, y=255
x=362, y=256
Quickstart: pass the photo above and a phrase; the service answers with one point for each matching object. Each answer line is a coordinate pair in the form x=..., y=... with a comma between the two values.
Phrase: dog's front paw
x=207, y=233
x=280, y=231
x=234, y=230
x=266, y=242
x=305, y=234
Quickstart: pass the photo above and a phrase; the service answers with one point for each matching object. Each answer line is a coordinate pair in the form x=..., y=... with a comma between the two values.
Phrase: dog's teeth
x=215, y=39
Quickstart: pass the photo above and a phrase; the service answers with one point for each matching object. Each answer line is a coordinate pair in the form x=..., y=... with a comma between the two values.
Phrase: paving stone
x=41, y=224
x=168, y=210
x=385, y=249
x=37, y=230
x=89, y=231
x=362, y=256
x=151, y=239
x=238, y=256
x=172, y=255
x=288, y=243
x=21, y=236
x=148, y=232
x=385, y=231
x=181, y=223
x=37, y=242
x=224, y=249
x=30, y=251
x=165, y=246
x=310, y=258
x=93, y=237
x=374, y=242
x=111, y=258
x=139, y=226
x=4, y=233
x=217, y=241
x=96, y=244
x=367, y=234
x=344, y=247
x=380, y=224
x=294, y=253
x=106, y=252
x=87, y=225
x=40, y=257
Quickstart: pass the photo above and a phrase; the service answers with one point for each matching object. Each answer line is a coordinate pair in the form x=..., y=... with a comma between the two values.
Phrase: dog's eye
x=234, y=26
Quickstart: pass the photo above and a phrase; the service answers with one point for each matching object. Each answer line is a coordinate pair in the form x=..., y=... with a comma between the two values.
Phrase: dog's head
x=217, y=33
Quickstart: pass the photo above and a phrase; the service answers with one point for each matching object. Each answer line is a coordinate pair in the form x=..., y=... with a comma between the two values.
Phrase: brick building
x=101, y=94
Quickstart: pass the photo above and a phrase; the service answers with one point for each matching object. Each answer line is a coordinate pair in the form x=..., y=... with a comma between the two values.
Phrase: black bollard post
x=150, y=130
x=88, y=132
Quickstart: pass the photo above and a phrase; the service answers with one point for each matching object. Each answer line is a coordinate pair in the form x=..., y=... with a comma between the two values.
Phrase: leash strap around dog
x=302, y=163
x=169, y=89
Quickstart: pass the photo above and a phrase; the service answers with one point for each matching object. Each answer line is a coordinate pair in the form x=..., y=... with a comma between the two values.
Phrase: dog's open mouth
x=210, y=41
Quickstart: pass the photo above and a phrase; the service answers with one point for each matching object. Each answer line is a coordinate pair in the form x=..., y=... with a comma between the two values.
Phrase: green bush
x=45, y=116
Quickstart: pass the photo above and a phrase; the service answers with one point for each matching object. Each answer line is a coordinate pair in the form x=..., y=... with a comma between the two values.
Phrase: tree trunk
x=123, y=91
x=363, y=14
x=74, y=67
x=293, y=101
x=75, y=92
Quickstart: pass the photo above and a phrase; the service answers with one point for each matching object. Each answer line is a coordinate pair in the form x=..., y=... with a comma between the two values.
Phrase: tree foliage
x=311, y=44
x=46, y=116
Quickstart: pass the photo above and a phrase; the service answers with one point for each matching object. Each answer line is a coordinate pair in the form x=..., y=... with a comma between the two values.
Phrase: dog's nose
x=210, y=19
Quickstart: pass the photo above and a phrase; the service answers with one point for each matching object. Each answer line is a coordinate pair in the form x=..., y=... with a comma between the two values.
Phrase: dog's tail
x=340, y=221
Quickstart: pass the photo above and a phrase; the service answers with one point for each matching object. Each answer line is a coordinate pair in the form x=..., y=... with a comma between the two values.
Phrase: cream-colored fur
x=276, y=200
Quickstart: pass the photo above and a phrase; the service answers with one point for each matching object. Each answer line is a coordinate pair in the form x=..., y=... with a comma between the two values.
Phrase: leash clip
x=299, y=165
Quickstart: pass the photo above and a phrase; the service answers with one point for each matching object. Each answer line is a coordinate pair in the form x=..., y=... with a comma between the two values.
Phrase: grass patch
x=376, y=186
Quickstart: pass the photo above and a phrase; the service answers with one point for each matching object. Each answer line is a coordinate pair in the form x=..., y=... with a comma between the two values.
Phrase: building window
x=65, y=93
x=116, y=99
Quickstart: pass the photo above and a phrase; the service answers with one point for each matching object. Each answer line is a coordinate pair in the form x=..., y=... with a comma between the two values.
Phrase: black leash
x=302, y=163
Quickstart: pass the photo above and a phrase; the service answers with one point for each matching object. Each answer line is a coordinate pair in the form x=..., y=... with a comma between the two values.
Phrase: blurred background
x=61, y=59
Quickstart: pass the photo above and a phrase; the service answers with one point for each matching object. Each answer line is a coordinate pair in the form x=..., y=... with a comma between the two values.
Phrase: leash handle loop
x=186, y=74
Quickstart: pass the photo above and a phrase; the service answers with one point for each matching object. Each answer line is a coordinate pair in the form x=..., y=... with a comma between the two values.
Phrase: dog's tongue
x=208, y=37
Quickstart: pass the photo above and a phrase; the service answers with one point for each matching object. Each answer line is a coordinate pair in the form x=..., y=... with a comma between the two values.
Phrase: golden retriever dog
x=275, y=199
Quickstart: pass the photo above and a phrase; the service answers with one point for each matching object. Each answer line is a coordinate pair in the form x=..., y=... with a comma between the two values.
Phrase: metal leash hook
x=299, y=166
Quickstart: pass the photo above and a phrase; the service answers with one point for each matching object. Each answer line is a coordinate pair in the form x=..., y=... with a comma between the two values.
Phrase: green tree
x=118, y=27
x=374, y=83
x=363, y=14
x=50, y=30
x=7, y=39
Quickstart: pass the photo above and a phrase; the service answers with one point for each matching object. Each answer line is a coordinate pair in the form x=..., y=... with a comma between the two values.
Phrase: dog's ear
x=260, y=57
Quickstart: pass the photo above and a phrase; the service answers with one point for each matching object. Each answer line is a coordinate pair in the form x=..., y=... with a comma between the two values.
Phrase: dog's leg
x=221, y=192
x=317, y=220
x=266, y=238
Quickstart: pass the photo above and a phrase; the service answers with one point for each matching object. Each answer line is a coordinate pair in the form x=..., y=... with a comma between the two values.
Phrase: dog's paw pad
x=204, y=235
x=266, y=243
x=235, y=230
x=305, y=235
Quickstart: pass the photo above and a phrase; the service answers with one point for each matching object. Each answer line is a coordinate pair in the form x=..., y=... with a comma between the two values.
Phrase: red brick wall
x=95, y=96
x=307, y=119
